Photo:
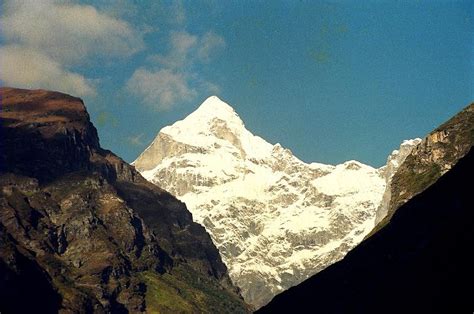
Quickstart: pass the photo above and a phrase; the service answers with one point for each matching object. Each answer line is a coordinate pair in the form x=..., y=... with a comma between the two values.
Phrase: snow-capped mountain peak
x=275, y=219
x=215, y=124
x=214, y=107
x=210, y=113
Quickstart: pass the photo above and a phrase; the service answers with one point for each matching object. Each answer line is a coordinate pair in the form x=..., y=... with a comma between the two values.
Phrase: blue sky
x=330, y=80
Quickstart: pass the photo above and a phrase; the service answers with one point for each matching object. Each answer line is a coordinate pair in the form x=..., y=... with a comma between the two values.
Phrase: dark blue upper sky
x=330, y=80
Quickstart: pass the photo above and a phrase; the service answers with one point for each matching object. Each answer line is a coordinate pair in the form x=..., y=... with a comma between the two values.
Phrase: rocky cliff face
x=428, y=161
x=82, y=231
x=275, y=219
x=417, y=263
x=394, y=160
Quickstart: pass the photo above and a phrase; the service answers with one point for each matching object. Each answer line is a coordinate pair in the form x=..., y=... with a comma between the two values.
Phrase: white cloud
x=169, y=83
x=161, y=89
x=187, y=50
x=28, y=68
x=44, y=39
x=67, y=32
x=210, y=43
x=182, y=44
x=179, y=12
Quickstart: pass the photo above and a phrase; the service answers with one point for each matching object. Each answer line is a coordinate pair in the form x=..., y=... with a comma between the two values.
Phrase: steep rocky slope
x=275, y=219
x=420, y=262
x=82, y=231
x=394, y=161
x=434, y=156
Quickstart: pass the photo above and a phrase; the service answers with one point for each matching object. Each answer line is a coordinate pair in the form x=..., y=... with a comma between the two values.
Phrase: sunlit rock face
x=396, y=158
x=427, y=161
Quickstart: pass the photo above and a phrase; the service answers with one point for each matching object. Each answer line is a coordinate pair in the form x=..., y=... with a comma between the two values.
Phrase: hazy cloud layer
x=210, y=44
x=160, y=89
x=181, y=45
x=170, y=81
x=50, y=36
x=179, y=12
x=186, y=49
x=67, y=32
x=28, y=68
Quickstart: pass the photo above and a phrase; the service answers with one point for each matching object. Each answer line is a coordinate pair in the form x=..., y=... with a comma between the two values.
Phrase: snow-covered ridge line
x=275, y=219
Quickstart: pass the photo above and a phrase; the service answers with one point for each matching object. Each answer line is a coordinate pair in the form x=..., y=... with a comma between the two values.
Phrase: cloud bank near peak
x=160, y=89
x=174, y=77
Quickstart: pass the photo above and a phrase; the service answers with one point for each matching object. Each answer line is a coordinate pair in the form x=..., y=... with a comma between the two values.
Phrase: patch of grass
x=419, y=182
x=162, y=296
x=186, y=291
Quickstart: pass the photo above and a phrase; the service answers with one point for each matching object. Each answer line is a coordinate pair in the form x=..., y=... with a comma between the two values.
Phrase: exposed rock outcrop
x=396, y=158
x=429, y=160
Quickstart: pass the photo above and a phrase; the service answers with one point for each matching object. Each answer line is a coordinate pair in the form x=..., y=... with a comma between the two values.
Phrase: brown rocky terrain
x=437, y=153
x=82, y=231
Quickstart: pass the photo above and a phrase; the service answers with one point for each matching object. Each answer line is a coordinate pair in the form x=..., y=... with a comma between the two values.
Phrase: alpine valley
x=275, y=219
x=213, y=219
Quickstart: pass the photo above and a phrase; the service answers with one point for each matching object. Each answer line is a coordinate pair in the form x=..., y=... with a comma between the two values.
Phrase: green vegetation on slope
x=183, y=290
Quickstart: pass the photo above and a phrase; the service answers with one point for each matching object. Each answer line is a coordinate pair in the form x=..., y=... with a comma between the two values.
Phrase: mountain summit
x=213, y=123
x=204, y=118
x=214, y=107
x=275, y=219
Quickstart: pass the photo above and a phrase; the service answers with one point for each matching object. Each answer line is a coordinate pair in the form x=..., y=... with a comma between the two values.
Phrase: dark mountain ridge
x=82, y=231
